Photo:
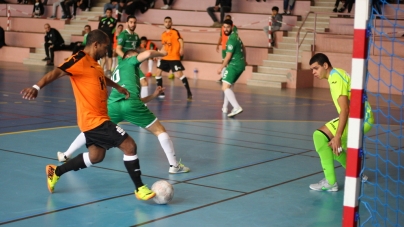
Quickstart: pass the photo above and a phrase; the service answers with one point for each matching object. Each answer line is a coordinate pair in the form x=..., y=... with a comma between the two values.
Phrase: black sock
x=133, y=169
x=75, y=164
x=159, y=82
x=186, y=85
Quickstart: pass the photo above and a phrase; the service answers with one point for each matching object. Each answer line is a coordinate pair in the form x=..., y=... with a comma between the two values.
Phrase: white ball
x=164, y=192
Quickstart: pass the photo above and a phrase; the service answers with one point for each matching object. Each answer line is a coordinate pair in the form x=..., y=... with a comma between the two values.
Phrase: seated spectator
x=348, y=4
x=118, y=30
x=167, y=4
x=148, y=45
x=53, y=42
x=113, y=4
x=54, y=6
x=77, y=46
x=223, y=6
x=141, y=5
x=66, y=8
x=2, y=38
x=84, y=5
x=276, y=24
x=38, y=9
x=288, y=6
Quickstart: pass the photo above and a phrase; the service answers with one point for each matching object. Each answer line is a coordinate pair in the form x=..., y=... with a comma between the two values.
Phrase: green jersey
x=84, y=39
x=340, y=84
x=126, y=74
x=128, y=41
x=234, y=45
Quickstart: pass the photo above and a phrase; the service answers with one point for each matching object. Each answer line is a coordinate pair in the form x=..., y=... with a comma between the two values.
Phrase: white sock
x=168, y=148
x=150, y=65
x=129, y=158
x=225, y=102
x=144, y=92
x=86, y=158
x=232, y=98
x=77, y=143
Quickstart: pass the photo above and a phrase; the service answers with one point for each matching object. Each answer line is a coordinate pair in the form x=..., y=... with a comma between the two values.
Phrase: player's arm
x=181, y=41
x=225, y=62
x=151, y=54
x=32, y=92
x=218, y=43
x=245, y=54
x=100, y=24
x=335, y=142
x=155, y=94
x=117, y=87
x=119, y=50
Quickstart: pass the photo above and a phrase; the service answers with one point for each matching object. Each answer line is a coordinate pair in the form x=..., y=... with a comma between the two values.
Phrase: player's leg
x=230, y=76
x=149, y=67
x=177, y=68
x=162, y=65
x=76, y=144
x=321, y=138
x=109, y=61
x=144, y=90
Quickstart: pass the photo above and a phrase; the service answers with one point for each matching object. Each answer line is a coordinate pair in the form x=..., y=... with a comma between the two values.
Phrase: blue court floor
x=253, y=170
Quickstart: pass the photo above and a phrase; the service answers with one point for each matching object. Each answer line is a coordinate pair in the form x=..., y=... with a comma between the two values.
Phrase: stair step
x=261, y=83
x=274, y=70
x=279, y=64
x=37, y=56
x=292, y=46
x=293, y=40
x=29, y=61
x=310, y=24
x=294, y=33
x=326, y=4
x=321, y=8
x=281, y=57
x=269, y=77
x=284, y=51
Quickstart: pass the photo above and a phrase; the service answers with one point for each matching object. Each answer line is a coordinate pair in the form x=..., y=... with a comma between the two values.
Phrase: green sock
x=341, y=158
x=326, y=155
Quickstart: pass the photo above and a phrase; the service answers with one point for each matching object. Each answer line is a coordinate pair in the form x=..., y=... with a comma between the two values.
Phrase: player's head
x=143, y=40
x=320, y=65
x=108, y=12
x=131, y=23
x=227, y=17
x=87, y=29
x=97, y=42
x=227, y=27
x=130, y=53
x=168, y=22
x=119, y=28
x=275, y=10
x=47, y=27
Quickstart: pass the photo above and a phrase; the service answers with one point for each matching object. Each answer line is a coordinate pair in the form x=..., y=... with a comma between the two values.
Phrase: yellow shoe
x=171, y=76
x=144, y=193
x=52, y=179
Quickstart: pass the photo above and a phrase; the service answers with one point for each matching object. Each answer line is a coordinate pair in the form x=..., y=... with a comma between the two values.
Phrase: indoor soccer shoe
x=179, y=169
x=234, y=112
x=51, y=177
x=324, y=186
x=144, y=193
x=62, y=157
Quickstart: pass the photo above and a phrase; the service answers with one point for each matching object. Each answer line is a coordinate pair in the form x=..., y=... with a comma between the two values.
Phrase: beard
x=168, y=27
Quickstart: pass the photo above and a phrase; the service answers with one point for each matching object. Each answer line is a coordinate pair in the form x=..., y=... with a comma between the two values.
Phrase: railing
x=309, y=30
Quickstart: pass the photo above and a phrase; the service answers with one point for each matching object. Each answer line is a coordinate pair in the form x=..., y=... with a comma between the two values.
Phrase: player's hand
x=181, y=52
x=29, y=93
x=217, y=48
x=335, y=144
x=124, y=91
x=219, y=70
x=159, y=90
x=163, y=51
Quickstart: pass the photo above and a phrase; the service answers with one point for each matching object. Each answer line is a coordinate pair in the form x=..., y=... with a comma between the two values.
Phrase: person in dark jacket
x=2, y=38
x=53, y=42
x=38, y=9
x=224, y=6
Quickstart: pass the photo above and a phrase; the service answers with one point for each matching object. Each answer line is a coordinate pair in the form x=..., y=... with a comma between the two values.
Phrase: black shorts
x=174, y=65
x=109, y=53
x=106, y=135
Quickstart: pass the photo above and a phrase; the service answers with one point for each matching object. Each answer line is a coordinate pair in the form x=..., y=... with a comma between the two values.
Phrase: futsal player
x=133, y=109
x=90, y=92
x=330, y=140
x=222, y=42
x=234, y=65
x=174, y=44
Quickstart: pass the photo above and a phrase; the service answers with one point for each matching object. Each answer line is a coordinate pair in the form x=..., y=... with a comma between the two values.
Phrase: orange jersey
x=115, y=40
x=170, y=40
x=149, y=45
x=90, y=90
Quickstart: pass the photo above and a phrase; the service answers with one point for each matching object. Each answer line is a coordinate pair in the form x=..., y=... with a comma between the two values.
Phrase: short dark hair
x=320, y=58
x=108, y=9
x=87, y=26
x=228, y=15
x=143, y=38
x=129, y=52
x=276, y=8
x=130, y=17
x=165, y=18
x=229, y=22
x=96, y=36
x=119, y=25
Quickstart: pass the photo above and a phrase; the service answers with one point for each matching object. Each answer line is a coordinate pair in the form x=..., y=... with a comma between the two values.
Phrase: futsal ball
x=171, y=76
x=164, y=192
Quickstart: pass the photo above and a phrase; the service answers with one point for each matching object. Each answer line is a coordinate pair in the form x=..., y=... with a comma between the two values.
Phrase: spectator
x=107, y=24
x=276, y=24
x=38, y=9
x=2, y=37
x=84, y=5
x=224, y=6
x=113, y=4
x=53, y=42
x=336, y=6
x=80, y=45
x=54, y=6
x=66, y=8
x=148, y=45
x=167, y=4
x=288, y=6
x=118, y=30
x=349, y=4
x=142, y=5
